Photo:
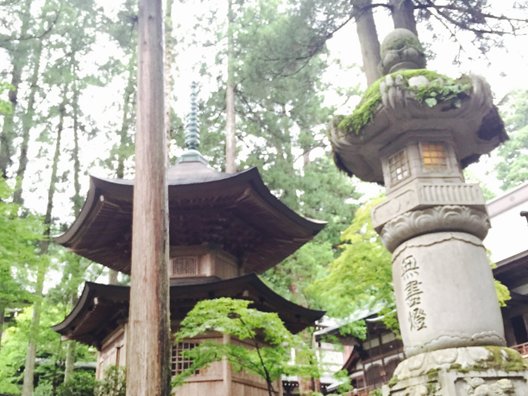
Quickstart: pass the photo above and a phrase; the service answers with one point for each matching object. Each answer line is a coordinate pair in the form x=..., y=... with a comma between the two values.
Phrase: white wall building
x=508, y=235
x=507, y=242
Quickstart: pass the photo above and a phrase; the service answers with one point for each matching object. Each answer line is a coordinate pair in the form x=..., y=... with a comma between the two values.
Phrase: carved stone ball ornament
x=400, y=50
x=435, y=219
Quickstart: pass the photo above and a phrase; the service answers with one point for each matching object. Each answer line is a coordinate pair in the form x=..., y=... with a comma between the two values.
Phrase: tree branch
x=261, y=359
x=478, y=31
x=453, y=7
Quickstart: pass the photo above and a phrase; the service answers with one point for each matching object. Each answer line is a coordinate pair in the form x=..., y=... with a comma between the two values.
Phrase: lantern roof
x=468, y=118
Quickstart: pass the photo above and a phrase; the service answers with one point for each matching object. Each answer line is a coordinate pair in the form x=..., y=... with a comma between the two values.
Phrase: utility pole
x=148, y=345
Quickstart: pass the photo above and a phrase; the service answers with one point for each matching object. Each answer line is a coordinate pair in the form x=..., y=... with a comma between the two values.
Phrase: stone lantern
x=416, y=133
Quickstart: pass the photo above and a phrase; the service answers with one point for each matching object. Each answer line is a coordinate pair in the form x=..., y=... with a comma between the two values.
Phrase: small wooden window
x=434, y=156
x=179, y=360
x=399, y=167
x=185, y=266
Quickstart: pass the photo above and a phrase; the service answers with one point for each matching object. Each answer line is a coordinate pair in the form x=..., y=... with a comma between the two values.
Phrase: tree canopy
x=512, y=168
x=267, y=346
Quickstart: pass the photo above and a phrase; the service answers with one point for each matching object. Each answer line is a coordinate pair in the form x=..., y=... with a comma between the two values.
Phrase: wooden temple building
x=224, y=230
x=369, y=362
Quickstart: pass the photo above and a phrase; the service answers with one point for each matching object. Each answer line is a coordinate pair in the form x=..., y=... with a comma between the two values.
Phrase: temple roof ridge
x=102, y=303
x=235, y=211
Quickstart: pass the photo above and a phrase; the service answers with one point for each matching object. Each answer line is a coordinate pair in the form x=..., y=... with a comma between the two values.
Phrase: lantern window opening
x=434, y=156
x=399, y=167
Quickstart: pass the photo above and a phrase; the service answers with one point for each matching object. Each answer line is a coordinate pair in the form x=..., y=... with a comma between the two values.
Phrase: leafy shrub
x=44, y=388
x=113, y=384
x=80, y=384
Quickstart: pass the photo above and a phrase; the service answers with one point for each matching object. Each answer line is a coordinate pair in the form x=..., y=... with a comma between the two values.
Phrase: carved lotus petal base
x=493, y=371
x=437, y=218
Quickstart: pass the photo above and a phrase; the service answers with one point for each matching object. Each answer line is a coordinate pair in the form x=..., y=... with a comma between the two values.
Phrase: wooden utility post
x=230, y=94
x=148, y=345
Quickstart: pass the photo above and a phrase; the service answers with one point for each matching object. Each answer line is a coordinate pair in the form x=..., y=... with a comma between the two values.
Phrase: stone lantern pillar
x=434, y=223
x=422, y=129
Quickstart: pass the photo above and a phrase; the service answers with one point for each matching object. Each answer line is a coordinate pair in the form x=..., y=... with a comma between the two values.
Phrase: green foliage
x=364, y=111
x=270, y=342
x=440, y=89
x=503, y=294
x=5, y=106
x=359, y=279
x=514, y=110
x=44, y=388
x=113, y=382
x=512, y=169
x=444, y=90
x=344, y=380
x=80, y=384
x=50, y=348
x=292, y=277
x=280, y=120
x=18, y=254
x=324, y=193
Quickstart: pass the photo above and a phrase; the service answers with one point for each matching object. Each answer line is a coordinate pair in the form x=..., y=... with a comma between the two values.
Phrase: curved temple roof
x=101, y=308
x=233, y=212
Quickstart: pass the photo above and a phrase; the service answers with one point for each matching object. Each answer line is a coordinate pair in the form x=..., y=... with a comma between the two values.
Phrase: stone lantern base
x=465, y=371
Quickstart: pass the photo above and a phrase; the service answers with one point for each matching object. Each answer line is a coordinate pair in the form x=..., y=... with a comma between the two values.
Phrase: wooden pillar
x=148, y=345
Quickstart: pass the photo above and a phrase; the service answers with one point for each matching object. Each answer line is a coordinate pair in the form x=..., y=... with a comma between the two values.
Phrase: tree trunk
x=2, y=316
x=124, y=138
x=7, y=134
x=29, y=369
x=125, y=120
x=230, y=166
x=27, y=123
x=402, y=12
x=169, y=61
x=27, y=388
x=368, y=39
x=69, y=360
x=75, y=274
x=77, y=199
x=19, y=59
x=148, y=343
